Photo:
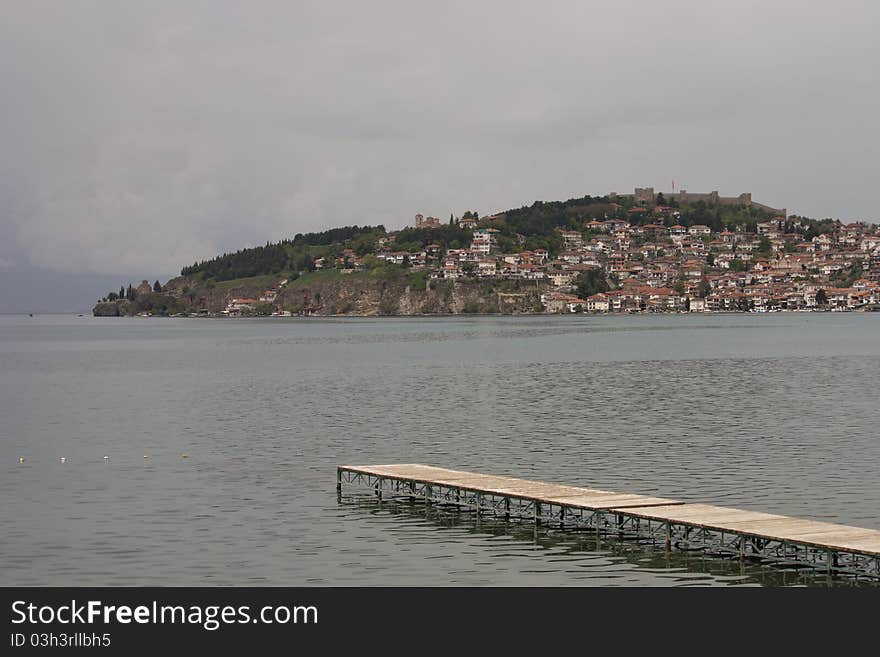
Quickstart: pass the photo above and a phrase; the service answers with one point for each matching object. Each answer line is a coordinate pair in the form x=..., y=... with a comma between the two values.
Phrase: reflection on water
x=575, y=557
x=771, y=413
x=480, y=333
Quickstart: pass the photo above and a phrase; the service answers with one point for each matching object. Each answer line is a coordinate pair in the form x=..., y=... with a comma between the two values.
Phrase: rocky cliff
x=120, y=308
x=334, y=293
x=369, y=296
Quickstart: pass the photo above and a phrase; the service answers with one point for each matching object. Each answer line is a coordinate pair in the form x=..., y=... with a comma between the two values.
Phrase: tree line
x=273, y=258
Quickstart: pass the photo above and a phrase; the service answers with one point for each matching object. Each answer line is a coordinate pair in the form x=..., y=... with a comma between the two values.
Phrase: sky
x=138, y=137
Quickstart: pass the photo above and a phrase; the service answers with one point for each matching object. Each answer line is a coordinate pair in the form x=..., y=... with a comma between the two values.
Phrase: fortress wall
x=647, y=195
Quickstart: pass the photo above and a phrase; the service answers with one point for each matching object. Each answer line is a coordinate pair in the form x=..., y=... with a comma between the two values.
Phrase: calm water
x=777, y=413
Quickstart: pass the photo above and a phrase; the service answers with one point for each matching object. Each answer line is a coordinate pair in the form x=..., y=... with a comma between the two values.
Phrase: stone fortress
x=646, y=196
x=427, y=222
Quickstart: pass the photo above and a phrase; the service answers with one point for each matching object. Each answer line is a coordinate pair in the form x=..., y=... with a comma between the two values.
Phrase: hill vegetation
x=293, y=255
x=530, y=227
x=385, y=266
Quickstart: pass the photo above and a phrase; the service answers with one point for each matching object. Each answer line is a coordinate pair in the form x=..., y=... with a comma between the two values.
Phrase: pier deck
x=685, y=525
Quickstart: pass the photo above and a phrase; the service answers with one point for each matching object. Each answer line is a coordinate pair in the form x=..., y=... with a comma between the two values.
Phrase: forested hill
x=529, y=227
x=517, y=252
x=288, y=255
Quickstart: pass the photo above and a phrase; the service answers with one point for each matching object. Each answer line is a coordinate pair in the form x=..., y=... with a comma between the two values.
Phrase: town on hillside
x=640, y=252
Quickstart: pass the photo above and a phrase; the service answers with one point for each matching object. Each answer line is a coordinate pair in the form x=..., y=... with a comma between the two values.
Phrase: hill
x=508, y=261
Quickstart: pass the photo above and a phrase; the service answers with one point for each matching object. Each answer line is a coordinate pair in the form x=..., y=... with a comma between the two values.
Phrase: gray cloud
x=138, y=137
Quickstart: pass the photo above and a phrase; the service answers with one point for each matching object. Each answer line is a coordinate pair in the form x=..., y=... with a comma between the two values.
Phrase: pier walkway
x=683, y=525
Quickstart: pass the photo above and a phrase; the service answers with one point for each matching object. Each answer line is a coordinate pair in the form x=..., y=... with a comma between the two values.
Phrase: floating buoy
x=106, y=458
x=184, y=455
x=63, y=459
x=146, y=456
x=21, y=459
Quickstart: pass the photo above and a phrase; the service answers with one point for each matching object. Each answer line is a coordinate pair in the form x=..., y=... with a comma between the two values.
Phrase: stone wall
x=647, y=196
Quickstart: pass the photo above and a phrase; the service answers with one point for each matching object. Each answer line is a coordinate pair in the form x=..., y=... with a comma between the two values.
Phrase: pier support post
x=537, y=513
x=338, y=482
x=507, y=508
x=668, y=543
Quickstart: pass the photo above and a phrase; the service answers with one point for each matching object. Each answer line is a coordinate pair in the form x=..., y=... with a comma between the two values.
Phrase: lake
x=777, y=413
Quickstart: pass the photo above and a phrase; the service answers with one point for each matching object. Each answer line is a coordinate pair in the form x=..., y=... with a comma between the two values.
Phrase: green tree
x=846, y=277
x=304, y=262
x=705, y=288
x=157, y=287
x=821, y=297
x=765, y=248
x=263, y=309
x=591, y=282
x=506, y=244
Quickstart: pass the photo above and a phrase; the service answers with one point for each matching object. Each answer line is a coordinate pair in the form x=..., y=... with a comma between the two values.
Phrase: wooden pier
x=682, y=525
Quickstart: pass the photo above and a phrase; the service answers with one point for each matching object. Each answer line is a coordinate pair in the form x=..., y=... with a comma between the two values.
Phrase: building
x=427, y=222
x=572, y=239
x=485, y=240
x=598, y=303
x=557, y=302
x=235, y=306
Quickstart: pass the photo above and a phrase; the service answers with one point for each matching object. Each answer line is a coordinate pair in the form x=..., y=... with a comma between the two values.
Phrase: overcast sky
x=140, y=137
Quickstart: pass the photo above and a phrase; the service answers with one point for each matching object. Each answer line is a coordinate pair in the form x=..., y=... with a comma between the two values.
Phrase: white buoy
x=106, y=458
x=146, y=456
x=63, y=459
x=21, y=459
x=184, y=455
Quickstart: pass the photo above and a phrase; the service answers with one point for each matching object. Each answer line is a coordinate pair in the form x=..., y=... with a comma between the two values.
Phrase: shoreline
x=448, y=315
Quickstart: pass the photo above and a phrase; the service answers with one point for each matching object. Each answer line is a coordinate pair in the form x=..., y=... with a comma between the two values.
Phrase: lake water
x=777, y=413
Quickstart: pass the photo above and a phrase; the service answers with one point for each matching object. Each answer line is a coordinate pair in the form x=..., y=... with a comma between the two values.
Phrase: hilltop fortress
x=646, y=196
